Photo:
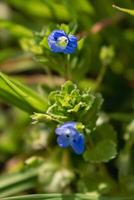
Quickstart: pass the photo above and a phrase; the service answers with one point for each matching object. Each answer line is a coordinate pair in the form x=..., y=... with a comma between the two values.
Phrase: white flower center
x=68, y=133
x=62, y=41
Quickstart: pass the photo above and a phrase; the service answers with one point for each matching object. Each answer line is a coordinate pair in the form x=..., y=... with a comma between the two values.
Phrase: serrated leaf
x=68, y=87
x=88, y=99
x=70, y=101
x=76, y=108
x=39, y=117
x=52, y=96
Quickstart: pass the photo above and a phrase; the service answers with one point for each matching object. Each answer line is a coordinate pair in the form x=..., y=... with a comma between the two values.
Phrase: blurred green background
x=101, y=25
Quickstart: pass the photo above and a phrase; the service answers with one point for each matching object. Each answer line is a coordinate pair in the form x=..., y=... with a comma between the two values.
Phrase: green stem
x=101, y=76
x=66, y=159
x=67, y=74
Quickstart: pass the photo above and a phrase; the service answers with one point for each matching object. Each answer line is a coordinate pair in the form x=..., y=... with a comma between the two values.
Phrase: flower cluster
x=59, y=41
x=69, y=136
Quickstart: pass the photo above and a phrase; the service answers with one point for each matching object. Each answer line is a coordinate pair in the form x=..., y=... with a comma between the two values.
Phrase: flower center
x=67, y=133
x=62, y=41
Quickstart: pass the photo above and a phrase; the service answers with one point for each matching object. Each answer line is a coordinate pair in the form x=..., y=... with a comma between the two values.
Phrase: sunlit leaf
x=57, y=197
x=129, y=11
x=20, y=95
x=15, y=29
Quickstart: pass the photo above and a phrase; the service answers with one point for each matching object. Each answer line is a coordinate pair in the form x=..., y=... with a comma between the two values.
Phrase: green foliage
x=103, y=145
x=70, y=104
x=17, y=182
x=102, y=66
x=15, y=29
x=20, y=95
x=129, y=11
x=49, y=9
x=57, y=197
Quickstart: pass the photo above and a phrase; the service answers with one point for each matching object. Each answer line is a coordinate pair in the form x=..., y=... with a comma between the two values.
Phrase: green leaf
x=56, y=196
x=20, y=95
x=81, y=43
x=129, y=11
x=39, y=117
x=104, y=131
x=14, y=178
x=64, y=27
x=15, y=29
x=42, y=9
x=68, y=87
x=18, y=182
x=29, y=45
x=103, y=144
x=102, y=152
x=19, y=187
x=44, y=43
x=33, y=7
x=93, y=113
x=70, y=103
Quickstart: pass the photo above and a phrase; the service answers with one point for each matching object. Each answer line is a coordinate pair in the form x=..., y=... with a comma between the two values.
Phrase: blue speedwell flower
x=59, y=41
x=69, y=136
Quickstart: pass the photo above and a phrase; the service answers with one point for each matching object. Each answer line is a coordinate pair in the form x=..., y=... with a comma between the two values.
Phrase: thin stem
x=67, y=74
x=101, y=76
x=65, y=159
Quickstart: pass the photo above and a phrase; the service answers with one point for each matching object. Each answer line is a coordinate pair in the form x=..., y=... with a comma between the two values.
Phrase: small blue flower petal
x=71, y=46
x=62, y=129
x=78, y=144
x=53, y=38
x=55, y=48
x=59, y=41
x=69, y=124
x=58, y=33
x=63, y=141
x=53, y=45
x=69, y=136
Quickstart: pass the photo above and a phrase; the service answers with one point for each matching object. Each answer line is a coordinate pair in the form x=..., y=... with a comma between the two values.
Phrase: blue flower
x=69, y=136
x=59, y=41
